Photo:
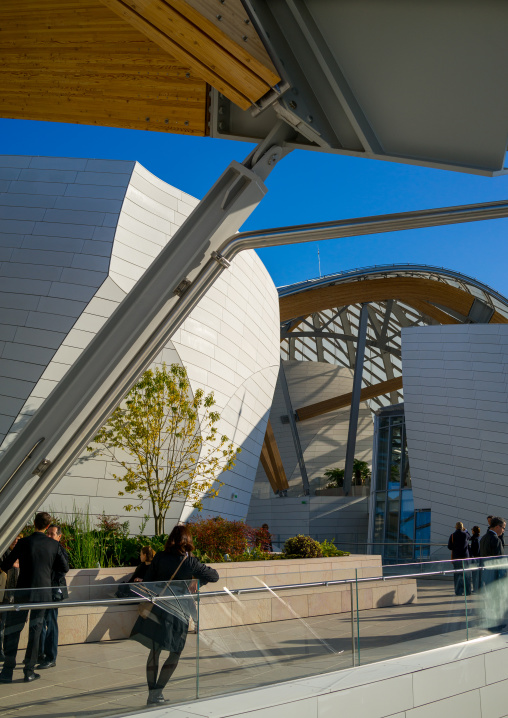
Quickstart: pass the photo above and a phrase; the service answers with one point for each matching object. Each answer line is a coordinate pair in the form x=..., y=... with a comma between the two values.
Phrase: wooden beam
x=404, y=289
x=234, y=30
x=192, y=39
x=340, y=402
x=267, y=467
x=498, y=318
x=275, y=459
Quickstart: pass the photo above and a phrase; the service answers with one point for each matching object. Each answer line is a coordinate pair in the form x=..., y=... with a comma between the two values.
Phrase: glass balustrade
x=246, y=631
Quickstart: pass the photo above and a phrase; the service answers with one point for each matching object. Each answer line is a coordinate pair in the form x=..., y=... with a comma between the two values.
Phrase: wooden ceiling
x=136, y=64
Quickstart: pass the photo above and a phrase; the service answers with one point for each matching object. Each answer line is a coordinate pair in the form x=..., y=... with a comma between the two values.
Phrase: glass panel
x=427, y=615
x=396, y=457
x=102, y=657
x=379, y=521
x=382, y=459
x=488, y=606
x=392, y=524
x=263, y=634
x=253, y=630
x=406, y=474
x=422, y=534
x=407, y=525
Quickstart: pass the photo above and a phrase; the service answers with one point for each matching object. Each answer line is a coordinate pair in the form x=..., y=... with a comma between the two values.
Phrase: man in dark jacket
x=459, y=546
x=39, y=556
x=491, y=545
x=49, y=636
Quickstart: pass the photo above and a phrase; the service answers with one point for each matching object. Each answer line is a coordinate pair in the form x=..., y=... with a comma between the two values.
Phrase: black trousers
x=14, y=624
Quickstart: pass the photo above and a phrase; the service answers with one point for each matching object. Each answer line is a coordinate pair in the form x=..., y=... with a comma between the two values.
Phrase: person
x=501, y=537
x=491, y=545
x=38, y=557
x=459, y=546
x=48, y=647
x=159, y=629
x=474, y=552
x=146, y=556
x=474, y=544
x=11, y=579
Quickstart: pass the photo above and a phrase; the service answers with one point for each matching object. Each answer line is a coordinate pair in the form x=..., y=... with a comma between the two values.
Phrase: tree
x=172, y=440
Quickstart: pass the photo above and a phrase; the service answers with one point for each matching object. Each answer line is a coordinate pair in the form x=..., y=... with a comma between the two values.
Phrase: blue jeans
x=49, y=637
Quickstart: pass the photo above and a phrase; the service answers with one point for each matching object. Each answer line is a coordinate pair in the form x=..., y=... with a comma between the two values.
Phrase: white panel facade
x=57, y=219
x=124, y=216
x=456, y=407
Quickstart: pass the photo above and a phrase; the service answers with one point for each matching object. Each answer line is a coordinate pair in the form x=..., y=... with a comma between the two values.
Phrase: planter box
x=89, y=624
x=355, y=491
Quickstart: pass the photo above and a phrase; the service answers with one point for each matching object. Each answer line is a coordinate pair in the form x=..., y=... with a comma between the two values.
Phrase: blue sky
x=306, y=187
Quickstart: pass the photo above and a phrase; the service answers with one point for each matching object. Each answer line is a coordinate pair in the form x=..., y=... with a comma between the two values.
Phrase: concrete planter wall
x=89, y=624
x=355, y=491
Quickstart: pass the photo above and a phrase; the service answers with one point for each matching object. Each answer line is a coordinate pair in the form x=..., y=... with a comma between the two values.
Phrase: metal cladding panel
x=430, y=76
x=420, y=82
x=455, y=402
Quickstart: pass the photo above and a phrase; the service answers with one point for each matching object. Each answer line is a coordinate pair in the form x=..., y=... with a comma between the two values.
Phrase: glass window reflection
x=400, y=531
x=382, y=459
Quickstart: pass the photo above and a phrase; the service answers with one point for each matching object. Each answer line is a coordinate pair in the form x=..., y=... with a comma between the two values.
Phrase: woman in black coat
x=165, y=626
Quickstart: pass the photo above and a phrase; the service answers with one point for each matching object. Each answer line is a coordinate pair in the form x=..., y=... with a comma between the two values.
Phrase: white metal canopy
x=422, y=82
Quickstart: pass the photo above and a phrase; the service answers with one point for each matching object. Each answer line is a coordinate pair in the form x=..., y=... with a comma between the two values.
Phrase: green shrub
x=329, y=548
x=302, y=547
x=361, y=475
x=336, y=477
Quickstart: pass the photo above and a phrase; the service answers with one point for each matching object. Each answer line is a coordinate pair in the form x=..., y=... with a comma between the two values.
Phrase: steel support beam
x=294, y=431
x=355, y=398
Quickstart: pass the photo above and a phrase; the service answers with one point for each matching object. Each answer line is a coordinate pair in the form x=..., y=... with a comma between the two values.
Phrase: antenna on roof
x=319, y=261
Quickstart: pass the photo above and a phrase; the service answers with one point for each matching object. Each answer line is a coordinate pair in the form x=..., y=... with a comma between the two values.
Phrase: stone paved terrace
x=107, y=678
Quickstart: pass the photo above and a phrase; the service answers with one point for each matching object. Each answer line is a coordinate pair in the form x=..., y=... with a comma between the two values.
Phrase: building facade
x=76, y=236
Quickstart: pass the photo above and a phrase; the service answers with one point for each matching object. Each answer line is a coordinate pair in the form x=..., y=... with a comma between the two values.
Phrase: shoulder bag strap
x=178, y=567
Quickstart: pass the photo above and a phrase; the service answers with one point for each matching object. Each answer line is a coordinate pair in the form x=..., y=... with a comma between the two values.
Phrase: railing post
x=465, y=599
x=197, y=639
x=353, y=647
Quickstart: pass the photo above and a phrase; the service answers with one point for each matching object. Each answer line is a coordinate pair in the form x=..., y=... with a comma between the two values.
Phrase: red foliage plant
x=218, y=536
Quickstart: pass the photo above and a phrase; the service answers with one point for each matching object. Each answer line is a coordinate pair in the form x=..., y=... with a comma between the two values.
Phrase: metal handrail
x=442, y=560
x=237, y=591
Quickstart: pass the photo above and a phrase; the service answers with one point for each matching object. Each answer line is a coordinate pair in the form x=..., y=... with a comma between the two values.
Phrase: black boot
x=155, y=697
x=6, y=675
